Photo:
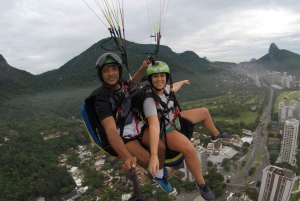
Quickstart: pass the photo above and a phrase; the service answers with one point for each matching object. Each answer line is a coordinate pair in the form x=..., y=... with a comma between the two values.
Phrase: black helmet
x=108, y=58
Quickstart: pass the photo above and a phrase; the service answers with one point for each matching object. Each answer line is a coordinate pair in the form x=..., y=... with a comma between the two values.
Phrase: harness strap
x=166, y=110
x=136, y=121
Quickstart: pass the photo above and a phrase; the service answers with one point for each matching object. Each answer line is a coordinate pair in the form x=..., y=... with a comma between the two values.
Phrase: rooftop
x=288, y=174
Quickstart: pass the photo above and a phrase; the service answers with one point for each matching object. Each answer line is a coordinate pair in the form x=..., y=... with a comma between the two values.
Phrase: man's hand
x=145, y=64
x=128, y=163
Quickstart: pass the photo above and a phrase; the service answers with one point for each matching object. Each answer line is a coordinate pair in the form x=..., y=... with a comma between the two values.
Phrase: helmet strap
x=156, y=89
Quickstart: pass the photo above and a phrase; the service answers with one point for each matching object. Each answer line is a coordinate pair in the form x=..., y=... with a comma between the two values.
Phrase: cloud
x=40, y=36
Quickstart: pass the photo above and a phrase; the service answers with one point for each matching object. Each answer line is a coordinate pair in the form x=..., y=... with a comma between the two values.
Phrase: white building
x=247, y=139
x=291, y=111
x=202, y=155
x=73, y=171
x=286, y=82
x=289, y=141
x=225, y=152
x=78, y=182
x=273, y=77
x=210, y=147
x=276, y=184
x=247, y=132
x=294, y=103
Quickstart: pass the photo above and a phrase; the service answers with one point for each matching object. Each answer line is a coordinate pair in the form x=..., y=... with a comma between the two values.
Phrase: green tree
x=64, y=190
x=175, y=183
x=210, y=164
x=225, y=161
x=188, y=186
x=252, y=192
x=251, y=171
x=258, y=183
x=161, y=195
x=227, y=168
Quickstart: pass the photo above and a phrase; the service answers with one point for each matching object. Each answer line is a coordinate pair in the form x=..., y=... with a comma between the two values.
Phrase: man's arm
x=137, y=76
x=178, y=85
x=117, y=143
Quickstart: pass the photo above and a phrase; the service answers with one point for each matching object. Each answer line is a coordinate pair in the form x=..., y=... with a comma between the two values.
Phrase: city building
x=273, y=77
x=291, y=111
x=284, y=80
x=73, y=171
x=71, y=196
x=289, y=141
x=225, y=152
x=276, y=184
x=238, y=196
x=202, y=155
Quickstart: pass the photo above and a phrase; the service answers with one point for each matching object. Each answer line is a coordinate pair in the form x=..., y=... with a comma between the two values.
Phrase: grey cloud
x=43, y=35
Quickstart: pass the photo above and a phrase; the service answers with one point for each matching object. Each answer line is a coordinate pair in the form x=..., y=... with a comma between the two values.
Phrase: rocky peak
x=273, y=51
x=4, y=67
x=273, y=46
x=3, y=62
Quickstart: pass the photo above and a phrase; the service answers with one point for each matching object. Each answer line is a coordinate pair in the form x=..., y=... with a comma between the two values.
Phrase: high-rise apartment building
x=273, y=77
x=291, y=111
x=289, y=141
x=202, y=155
x=276, y=184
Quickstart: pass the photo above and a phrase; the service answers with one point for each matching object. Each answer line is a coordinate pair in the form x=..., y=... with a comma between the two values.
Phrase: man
x=121, y=128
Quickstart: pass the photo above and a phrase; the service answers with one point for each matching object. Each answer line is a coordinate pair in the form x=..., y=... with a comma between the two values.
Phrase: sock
x=214, y=137
x=201, y=186
x=160, y=173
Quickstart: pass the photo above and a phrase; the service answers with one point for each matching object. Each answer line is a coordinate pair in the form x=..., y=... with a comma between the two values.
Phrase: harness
x=173, y=158
x=164, y=109
x=118, y=112
x=119, y=116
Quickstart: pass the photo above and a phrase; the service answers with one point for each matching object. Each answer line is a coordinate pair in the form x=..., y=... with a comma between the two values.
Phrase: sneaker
x=205, y=192
x=220, y=136
x=163, y=183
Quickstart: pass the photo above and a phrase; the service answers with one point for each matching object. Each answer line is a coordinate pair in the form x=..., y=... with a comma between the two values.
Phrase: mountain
x=224, y=65
x=281, y=60
x=13, y=81
x=80, y=71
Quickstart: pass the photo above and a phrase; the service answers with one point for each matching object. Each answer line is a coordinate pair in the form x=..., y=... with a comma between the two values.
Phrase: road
x=237, y=182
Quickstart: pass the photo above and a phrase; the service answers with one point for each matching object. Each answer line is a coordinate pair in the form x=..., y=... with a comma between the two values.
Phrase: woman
x=159, y=116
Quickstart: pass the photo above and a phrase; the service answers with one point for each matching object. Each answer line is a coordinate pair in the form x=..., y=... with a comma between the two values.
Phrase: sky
x=39, y=36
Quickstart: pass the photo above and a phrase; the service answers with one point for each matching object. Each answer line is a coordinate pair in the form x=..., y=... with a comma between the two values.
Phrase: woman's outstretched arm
x=178, y=85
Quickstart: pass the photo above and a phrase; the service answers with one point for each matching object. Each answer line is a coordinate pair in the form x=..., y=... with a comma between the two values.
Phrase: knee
x=205, y=110
x=189, y=150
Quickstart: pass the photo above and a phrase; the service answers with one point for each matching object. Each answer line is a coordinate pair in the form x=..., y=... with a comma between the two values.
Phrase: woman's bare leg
x=201, y=115
x=161, y=153
x=142, y=155
x=178, y=142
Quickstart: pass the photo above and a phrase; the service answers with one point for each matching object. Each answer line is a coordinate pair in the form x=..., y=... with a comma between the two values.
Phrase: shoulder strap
x=146, y=87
